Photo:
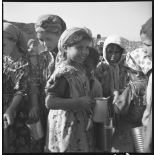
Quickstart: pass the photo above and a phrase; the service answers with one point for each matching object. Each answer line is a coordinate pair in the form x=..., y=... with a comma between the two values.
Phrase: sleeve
x=58, y=88
x=21, y=81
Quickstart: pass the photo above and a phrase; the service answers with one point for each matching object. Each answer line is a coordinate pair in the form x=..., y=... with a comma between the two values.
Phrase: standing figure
x=18, y=92
x=68, y=96
x=49, y=29
x=110, y=72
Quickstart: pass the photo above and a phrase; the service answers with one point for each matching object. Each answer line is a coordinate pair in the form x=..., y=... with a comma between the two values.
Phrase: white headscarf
x=116, y=39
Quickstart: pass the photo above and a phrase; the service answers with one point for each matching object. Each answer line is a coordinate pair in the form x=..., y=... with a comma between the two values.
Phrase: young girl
x=49, y=28
x=67, y=96
x=110, y=73
x=90, y=65
x=18, y=91
x=133, y=98
x=95, y=89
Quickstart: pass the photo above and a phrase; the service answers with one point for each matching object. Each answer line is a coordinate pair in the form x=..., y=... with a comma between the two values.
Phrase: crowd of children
x=50, y=85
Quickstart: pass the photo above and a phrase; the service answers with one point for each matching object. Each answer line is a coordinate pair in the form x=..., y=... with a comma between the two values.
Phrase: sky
x=105, y=18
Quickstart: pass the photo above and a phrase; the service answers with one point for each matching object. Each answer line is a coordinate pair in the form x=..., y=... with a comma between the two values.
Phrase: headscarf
x=147, y=28
x=16, y=34
x=64, y=37
x=139, y=61
x=50, y=23
x=114, y=68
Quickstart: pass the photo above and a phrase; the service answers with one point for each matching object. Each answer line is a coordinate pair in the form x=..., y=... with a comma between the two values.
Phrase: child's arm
x=9, y=115
x=57, y=103
x=58, y=97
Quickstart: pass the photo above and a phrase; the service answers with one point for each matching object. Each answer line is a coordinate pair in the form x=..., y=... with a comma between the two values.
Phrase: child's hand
x=9, y=116
x=34, y=114
x=86, y=102
x=116, y=94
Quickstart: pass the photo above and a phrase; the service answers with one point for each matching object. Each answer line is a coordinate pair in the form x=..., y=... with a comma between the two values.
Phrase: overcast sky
x=105, y=18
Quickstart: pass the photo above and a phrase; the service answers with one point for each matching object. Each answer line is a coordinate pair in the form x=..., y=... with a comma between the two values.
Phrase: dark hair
x=94, y=55
x=147, y=28
x=98, y=36
x=77, y=37
x=111, y=45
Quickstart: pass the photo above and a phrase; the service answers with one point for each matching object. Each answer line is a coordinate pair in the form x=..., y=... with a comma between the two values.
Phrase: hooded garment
x=114, y=68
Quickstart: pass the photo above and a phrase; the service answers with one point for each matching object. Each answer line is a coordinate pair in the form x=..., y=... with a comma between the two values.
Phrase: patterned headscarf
x=50, y=23
x=65, y=36
x=16, y=34
x=138, y=60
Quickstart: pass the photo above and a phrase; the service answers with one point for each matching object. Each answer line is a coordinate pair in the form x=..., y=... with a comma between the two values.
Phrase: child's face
x=147, y=43
x=113, y=54
x=78, y=52
x=50, y=40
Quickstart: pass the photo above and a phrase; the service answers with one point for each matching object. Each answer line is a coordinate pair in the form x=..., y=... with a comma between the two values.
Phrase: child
x=146, y=37
x=90, y=65
x=67, y=96
x=110, y=73
x=95, y=87
x=140, y=62
x=33, y=55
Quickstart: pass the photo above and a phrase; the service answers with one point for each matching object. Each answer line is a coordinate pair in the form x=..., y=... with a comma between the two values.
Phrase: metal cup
x=107, y=134
x=101, y=111
x=36, y=130
x=104, y=135
x=138, y=138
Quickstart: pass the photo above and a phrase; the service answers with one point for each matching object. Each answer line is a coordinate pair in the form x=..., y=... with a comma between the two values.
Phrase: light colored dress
x=66, y=130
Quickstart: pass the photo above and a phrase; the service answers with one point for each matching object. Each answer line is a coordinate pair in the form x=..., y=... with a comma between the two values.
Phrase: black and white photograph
x=77, y=77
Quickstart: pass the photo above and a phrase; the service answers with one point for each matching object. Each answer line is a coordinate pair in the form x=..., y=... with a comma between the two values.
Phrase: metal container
x=104, y=135
x=101, y=111
x=138, y=138
x=36, y=130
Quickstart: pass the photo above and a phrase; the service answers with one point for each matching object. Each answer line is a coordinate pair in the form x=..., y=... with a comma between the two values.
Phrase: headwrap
x=16, y=34
x=147, y=28
x=50, y=23
x=138, y=60
x=114, y=68
x=64, y=37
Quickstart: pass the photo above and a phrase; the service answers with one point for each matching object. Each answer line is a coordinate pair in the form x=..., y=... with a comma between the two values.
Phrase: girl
x=67, y=96
x=18, y=91
x=130, y=114
x=111, y=73
x=140, y=61
x=49, y=29
x=90, y=65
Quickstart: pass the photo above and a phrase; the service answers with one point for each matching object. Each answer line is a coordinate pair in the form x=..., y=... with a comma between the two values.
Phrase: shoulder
x=64, y=70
